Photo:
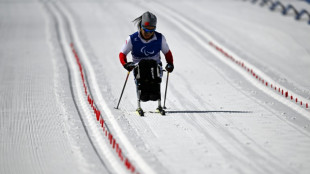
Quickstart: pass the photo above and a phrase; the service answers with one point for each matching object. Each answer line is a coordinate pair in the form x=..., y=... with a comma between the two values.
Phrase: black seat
x=148, y=79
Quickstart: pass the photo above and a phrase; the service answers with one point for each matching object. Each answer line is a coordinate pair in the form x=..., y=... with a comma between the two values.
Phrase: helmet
x=148, y=19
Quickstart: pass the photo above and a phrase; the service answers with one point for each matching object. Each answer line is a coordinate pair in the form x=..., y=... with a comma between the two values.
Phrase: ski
x=140, y=112
x=161, y=111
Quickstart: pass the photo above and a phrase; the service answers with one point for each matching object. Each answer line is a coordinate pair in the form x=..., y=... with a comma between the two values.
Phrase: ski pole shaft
x=123, y=90
x=166, y=90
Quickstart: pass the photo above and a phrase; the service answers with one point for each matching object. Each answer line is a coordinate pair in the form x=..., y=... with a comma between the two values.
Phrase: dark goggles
x=148, y=30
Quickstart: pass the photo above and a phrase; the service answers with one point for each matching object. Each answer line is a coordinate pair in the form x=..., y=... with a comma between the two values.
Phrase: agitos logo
x=145, y=52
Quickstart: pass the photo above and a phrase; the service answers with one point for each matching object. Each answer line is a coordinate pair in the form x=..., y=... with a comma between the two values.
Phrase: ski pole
x=123, y=90
x=166, y=91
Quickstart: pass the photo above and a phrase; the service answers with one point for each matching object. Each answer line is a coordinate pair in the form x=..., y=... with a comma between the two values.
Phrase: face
x=147, y=32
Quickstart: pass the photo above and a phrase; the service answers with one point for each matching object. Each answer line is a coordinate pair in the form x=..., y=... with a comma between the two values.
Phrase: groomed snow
x=218, y=121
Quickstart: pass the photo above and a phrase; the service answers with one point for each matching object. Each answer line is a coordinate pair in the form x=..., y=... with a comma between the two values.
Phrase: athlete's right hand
x=129, y=66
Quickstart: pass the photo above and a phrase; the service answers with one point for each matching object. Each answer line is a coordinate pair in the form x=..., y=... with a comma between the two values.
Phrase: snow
x=219, y=118
x=40, y=129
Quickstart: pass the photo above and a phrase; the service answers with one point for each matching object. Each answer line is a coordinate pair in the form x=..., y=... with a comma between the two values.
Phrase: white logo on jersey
x=147, y=53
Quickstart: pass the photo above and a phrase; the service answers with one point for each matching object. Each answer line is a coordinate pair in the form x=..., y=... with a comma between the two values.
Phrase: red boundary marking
x=251, y=71
x=114, y=144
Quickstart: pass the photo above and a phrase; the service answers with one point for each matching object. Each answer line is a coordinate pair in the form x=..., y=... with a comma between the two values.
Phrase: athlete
x=145, y=46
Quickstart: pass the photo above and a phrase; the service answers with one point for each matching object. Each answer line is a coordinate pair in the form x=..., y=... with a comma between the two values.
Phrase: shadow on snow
x=203, y=112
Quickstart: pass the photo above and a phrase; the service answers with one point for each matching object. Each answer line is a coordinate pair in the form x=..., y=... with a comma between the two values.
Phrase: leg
x=138, y=94
x=139, y=105
x=159, y=103
x=159, y=100
x=160, y=109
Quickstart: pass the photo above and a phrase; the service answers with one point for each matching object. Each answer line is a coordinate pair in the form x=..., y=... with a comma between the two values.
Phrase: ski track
x=144, y=167
x=196, y=96
x=54, y=39
x=103, y=150
x=243, y=150
x=32, y=121
x=234, y=139
x=187, y=26
x=152, y=126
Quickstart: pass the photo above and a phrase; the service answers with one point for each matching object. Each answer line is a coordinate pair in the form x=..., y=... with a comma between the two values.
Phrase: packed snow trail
x=99, y=144
x=215, y=100
x=40, y=131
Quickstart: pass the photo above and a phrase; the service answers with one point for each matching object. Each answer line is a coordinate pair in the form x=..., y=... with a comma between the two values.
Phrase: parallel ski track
x=204, y=39
x=104, y=152
x=68, y=34
x=208, y=42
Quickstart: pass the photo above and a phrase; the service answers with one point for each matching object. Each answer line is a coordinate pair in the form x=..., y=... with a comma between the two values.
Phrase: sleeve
x=164, y=45
x=127, y=47
x=166, y=51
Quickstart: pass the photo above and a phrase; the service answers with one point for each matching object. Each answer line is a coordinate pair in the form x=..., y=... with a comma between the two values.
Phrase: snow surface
x=218, y=121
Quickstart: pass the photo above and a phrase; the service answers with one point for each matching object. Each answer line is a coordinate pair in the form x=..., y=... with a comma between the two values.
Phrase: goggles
x=148, y=30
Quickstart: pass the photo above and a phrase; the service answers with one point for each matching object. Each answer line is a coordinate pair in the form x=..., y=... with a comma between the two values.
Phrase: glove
x=169, y=67
x=129, y=66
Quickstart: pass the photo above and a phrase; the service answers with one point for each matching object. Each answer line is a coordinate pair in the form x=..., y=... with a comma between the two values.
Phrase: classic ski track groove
x=203, y=38
x=102, y=104
x=240, y=157
x=54, y=17
x=64, y=37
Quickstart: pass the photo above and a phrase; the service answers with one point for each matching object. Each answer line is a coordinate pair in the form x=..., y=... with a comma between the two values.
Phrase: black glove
x=129, y=66
x=169, y=67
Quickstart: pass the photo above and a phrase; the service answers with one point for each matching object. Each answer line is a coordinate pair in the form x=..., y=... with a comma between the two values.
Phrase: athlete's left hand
x=169, y=67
